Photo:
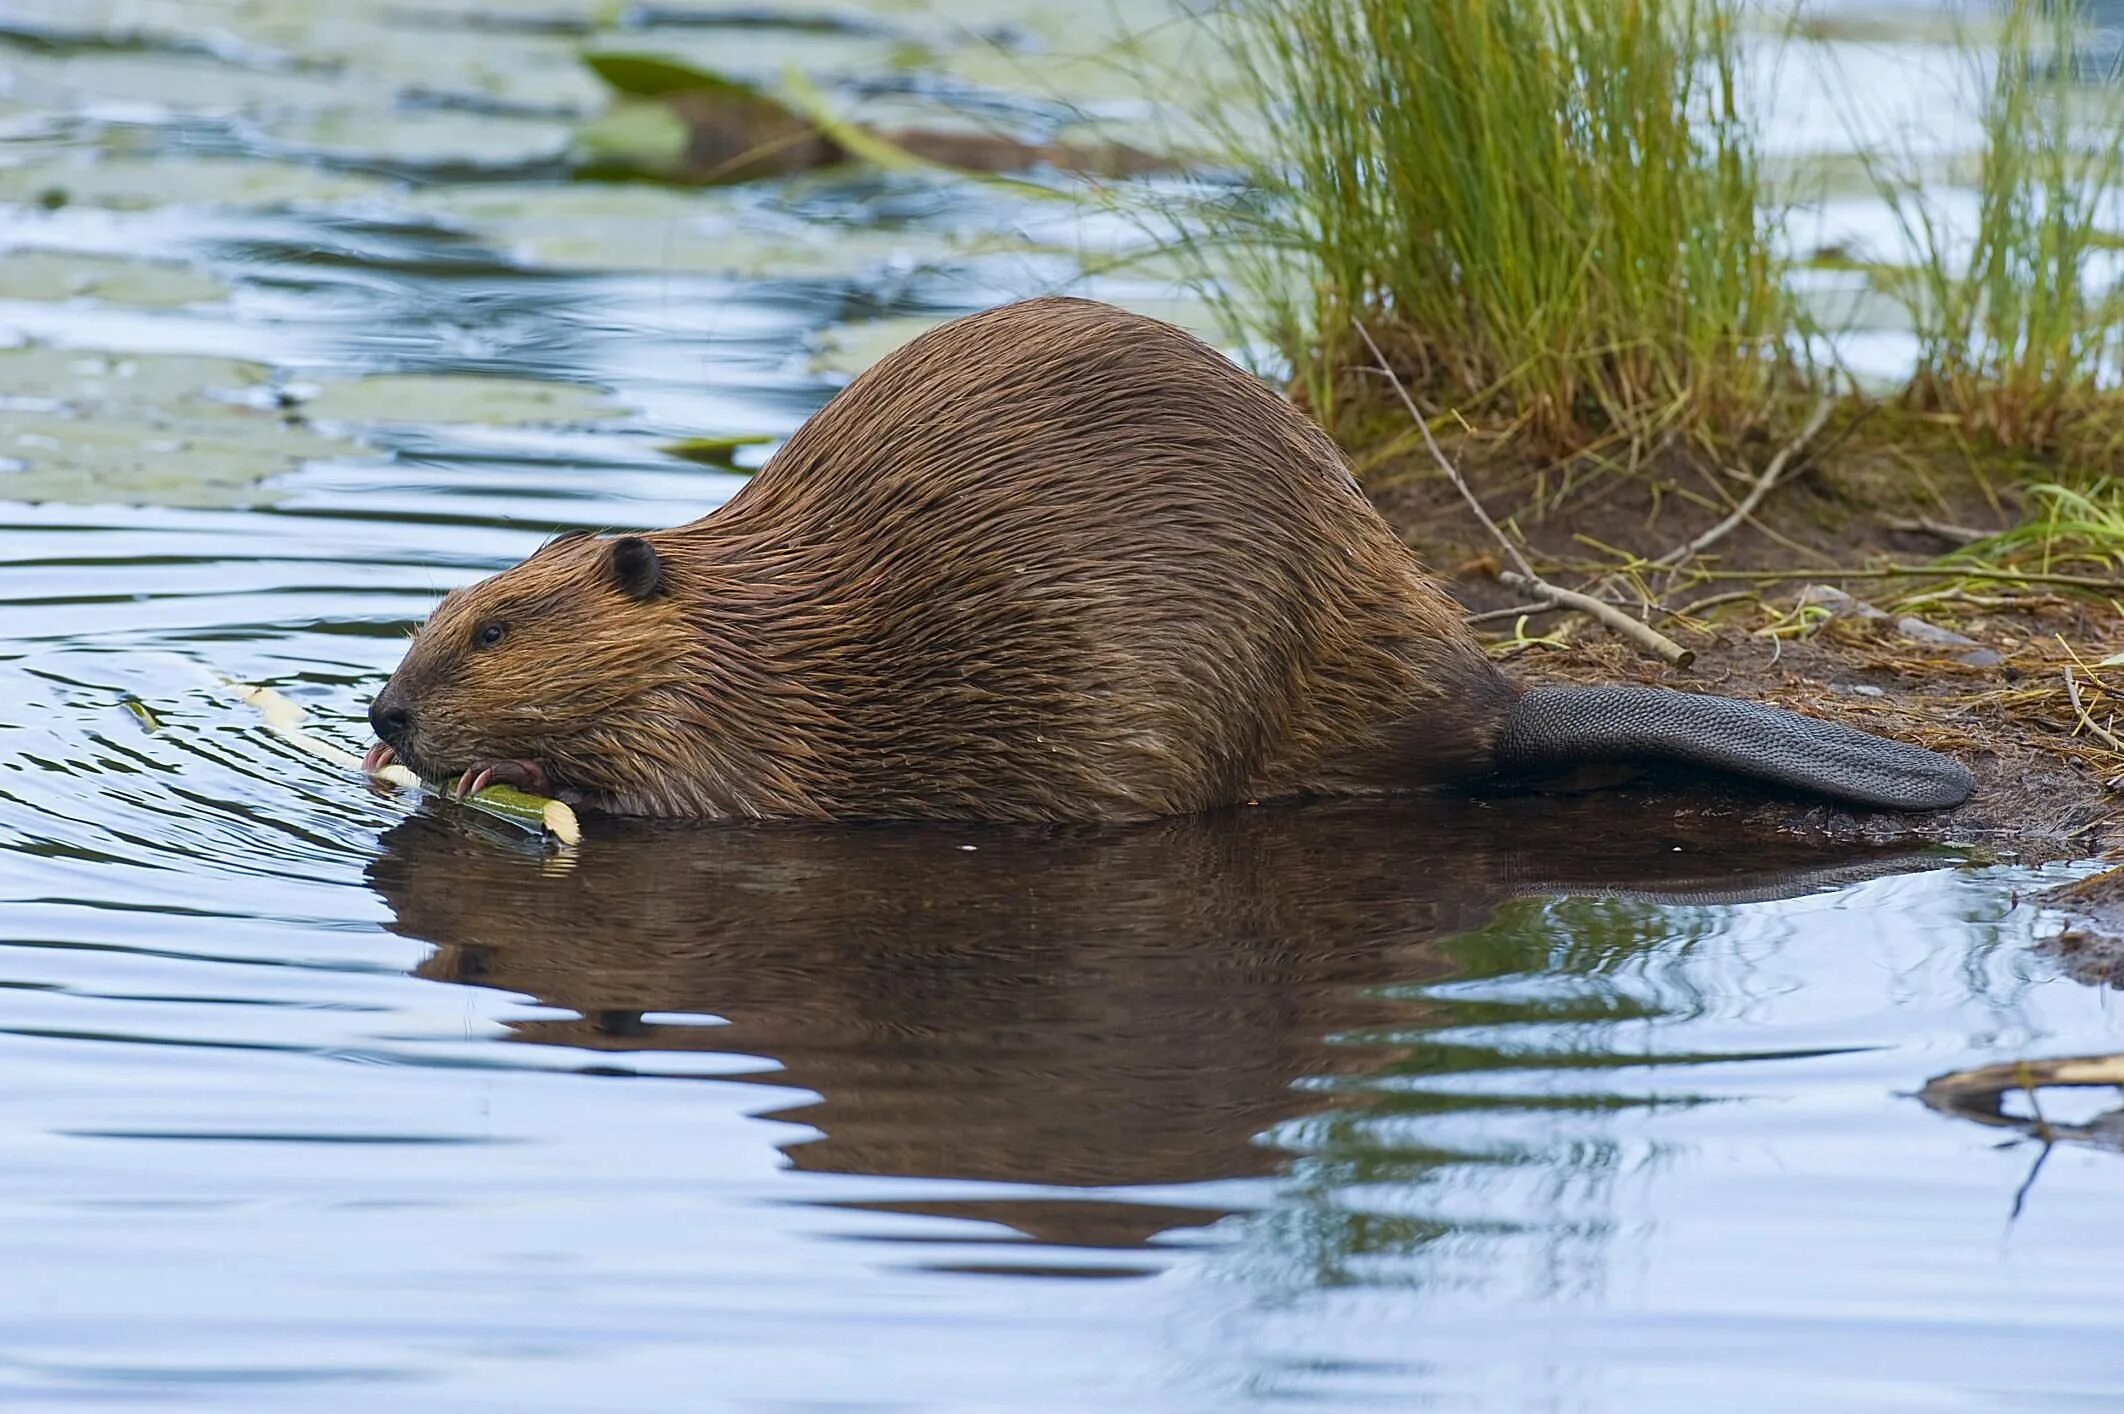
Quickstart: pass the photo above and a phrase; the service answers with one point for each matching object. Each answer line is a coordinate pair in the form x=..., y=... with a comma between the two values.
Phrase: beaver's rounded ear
x=636, y=570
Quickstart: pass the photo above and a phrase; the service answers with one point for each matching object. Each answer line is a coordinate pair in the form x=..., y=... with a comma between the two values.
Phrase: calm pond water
x=320, y=1099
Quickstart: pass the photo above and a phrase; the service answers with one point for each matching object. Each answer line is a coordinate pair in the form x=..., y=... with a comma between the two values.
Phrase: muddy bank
x=2090, y=946
x=2041, y=792
x=1804, y=606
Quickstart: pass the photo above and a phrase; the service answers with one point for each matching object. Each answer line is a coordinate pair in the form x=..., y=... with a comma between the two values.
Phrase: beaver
x=1051, y=562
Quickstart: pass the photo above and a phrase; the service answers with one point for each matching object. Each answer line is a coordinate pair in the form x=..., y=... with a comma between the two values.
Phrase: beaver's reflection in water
x=1090, y=1008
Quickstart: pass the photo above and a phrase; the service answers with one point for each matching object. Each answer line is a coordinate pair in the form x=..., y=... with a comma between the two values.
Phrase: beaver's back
x=1058, y=554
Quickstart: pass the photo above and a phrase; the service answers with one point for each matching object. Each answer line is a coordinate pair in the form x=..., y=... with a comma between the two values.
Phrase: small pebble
x=1837, y=602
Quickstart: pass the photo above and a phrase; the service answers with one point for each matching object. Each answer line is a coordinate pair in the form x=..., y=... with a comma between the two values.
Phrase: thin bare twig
x=1643, y=634
x=2072, y=690
x=1516, y=611
x=1952, y=534
x=1696, y=607
x=1524, y=578
x=1772, y=474
x=1452, y=472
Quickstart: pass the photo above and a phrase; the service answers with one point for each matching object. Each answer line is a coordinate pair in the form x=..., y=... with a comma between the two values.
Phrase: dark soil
x=1996, y=701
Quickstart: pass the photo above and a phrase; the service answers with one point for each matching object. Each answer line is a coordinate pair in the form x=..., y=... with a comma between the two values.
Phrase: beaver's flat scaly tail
x=1563, y=726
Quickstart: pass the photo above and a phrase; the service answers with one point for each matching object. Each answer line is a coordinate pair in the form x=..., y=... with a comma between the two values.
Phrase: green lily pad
x=66, y=80
x=435, y=136
x=850, y=348
x=127, y=183
x=633, y=135
x=152, y=428
x=58, y=275
x=37, y=373
x=382, y=60
x=458, y=398
x=666, y=231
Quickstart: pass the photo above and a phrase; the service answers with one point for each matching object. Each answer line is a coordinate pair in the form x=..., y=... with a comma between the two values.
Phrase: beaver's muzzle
x=392, y=718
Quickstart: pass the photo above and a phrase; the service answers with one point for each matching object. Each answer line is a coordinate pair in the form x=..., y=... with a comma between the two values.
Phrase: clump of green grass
x=2064, y=528
x=1548, y=212
x=2018, y=314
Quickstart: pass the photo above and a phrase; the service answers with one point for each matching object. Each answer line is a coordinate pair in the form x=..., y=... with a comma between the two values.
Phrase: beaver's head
x=541, y=676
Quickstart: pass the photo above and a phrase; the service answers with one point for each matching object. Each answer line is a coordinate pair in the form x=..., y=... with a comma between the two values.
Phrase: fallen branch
x=1986, y=1083
x=287, y=720
x=1523, y=576
x=1643, y=634
x=1544, y=607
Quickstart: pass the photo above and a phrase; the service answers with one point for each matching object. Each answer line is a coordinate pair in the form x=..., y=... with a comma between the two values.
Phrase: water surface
x=323, y=1099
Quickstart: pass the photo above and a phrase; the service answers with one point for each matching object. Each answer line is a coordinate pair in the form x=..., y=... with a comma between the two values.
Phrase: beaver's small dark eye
x=490, y=634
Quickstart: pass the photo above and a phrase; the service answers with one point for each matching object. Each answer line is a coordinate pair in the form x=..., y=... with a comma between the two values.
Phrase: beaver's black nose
x=391, y=718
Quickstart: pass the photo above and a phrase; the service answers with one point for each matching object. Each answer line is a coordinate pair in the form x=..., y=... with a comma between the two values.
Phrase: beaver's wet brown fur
x=1050, y=562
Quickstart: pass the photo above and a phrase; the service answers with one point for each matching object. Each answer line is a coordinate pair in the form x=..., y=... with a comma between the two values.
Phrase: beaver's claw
x=524, y=775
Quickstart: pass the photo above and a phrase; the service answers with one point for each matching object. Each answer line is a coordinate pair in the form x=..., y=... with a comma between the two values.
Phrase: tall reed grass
x=2016, y=300
x=1553, y=216
x=1549, y=212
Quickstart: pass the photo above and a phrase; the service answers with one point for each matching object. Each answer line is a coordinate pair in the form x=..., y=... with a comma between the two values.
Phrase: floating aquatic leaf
x=850, y=348
x=732, y=131
x=54, y=275
x=171, y=81
x=632, y=136
x=160, y=429
x=882, y=152
x=204, y=455
x=129, y=183
x=715, y=451
x=655, y=76
x=436, y=137
x=87, y=381
x=633, y=226
x=457, y=398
